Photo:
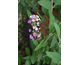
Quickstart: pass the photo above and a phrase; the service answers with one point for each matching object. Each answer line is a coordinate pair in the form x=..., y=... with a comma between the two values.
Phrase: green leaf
x=27, y=62
x=19, y=7
x=45, y=11
x=47, y=48
x=43, y=49
x=20, y=56
x=57, y=28
x=44, y=44
x=54, y=40
x=52, y=20
x=56, y=57
x=57, y=2
x=27, y=58
x=46, y=4
x=33, y=58
x=34, y=7
x=35, y=43
x=22, y=2
x=43, y=19
x=27, y=51
x=51, y=27
x=28, y=13
x=39, y=45
x=32, y=45
x=40, y=55
x=52, y=63
x=19, y=61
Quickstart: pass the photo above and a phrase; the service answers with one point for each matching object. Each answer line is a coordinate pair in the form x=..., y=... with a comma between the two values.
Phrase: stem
x=52, y=4
x=59, y=63
x=39, y=15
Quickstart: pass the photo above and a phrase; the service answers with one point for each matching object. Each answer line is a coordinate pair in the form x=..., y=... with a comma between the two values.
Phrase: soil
x=46, y=23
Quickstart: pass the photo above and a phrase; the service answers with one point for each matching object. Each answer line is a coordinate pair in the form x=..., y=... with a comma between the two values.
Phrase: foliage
x=46, y=51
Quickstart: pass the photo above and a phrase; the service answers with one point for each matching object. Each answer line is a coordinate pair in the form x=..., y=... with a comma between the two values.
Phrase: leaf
x=43, y=49
x=34, y=7
x=47, y=48
x=45, y=11
x=35, y=43
x=52, y=19
x=43, y=19
x=19, y=7
x=19, y=61
x=46, y=4
x=27, y=58
x=22, y=2
x=44, y=44
x=54, y=40
x=52, y=63
x=39, y=45
x=56, y=57
x=27, y=63
x=40, y=55
x=57, y=2
x=20, y=56
x=57, y=28
x=28, y=13
x=32, y=45
x=33, y=58
x=27, y=51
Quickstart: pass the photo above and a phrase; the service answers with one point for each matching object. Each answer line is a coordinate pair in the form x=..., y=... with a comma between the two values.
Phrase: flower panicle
x=35, y=33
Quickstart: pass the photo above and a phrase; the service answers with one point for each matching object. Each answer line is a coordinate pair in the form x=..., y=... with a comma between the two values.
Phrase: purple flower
x=29, y=30
x=33, y=31
x=39, y=35
x=29, y=21
x=37, y=23
x=34, y=34
x=31, y=37
x=33, y=16
x=33, y=20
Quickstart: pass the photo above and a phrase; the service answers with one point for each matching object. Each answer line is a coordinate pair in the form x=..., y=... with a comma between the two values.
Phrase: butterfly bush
x=35, y=33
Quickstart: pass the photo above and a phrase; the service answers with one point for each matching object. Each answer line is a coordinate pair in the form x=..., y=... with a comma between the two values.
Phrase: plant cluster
x=46, y=50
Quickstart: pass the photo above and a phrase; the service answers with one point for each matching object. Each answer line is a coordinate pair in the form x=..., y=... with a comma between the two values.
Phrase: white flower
x=37, y=23
x=39, y=19
x=36, y=19
x=37, y=16
x=36, y=28
x=33, y=20
x=39, y=28
x=31, y=16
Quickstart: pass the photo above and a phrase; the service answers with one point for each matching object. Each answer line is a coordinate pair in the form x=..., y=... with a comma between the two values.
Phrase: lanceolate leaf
x=27, y=51
x=35, y=43
x=45, y=11
x=28, y=62
x=56, y=57
x=33, y=58
x=54, y=40
x=39, y=45
x=57, y=2
x=28, y=13
x=57, y=28
x=46, y=4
